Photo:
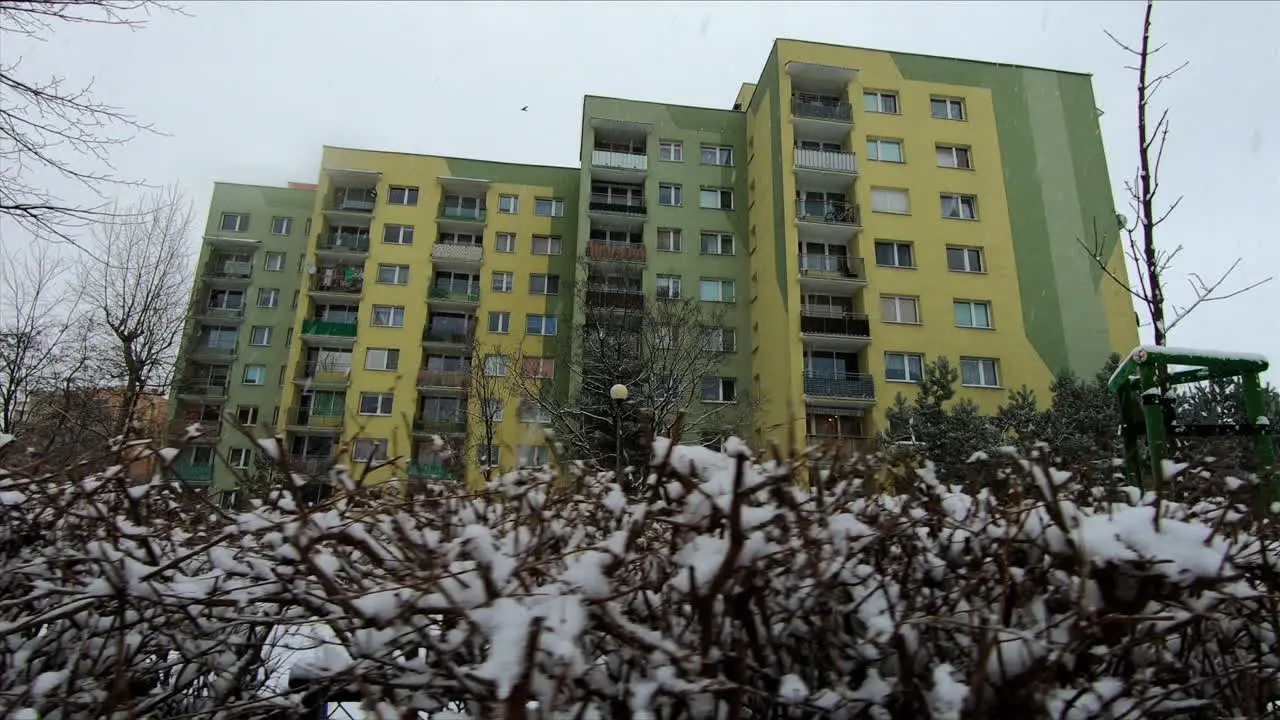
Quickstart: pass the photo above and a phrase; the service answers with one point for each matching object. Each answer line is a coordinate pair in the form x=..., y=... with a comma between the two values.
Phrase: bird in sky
x=524, y=109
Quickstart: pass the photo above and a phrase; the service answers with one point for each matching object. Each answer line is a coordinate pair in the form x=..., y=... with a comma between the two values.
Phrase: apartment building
x=856, y=213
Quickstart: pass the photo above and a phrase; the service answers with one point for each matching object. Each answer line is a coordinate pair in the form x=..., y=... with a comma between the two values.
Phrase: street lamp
x=619, y=395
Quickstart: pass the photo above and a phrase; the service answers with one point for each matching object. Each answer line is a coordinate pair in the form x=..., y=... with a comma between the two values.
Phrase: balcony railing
x=444, y=378
x=618, y=299
x=209, y=429
x=444, y=292
x=831, y=211
x=839, y=112
x=431, y=471
x=325, y=373
x=457, y=253
x=193, y=473
x=307, y=417
x=329, y=328
x=616, y=251
x=342, y=203
x=439, y=427
x=214, y=353
x=344, y=242
x=616, y=204
x=460, y=213
x=849, y=386
x=833, y=265
x=338, y=280
x=447, y=335
x=826, y=160
x=233, y=270
x=819, y=322
x=843, y=444
x=223, y=313
x=619, y=160
x=204, y=390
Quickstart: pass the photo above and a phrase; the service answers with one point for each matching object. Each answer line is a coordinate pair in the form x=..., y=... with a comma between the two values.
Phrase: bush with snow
x=723, y=589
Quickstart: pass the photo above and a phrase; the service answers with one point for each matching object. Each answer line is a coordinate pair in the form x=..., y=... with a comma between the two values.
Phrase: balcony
x=447, y=297
x=319, y=375
x=852, y=389
x=607, y=205
x=457, y=218
x=198, y=474
x=332, y=333
x=302, y=419
x=227, y=315
x=450, y=255
x=615, y=251
x=447, y=336
x=209, y=431
x=429, y=471
x=343, y=245
x=444, y=380
x=810, y=109
x=228, y=274
x=352, y=203
x=618, y=166
x=341, y=285
x=822, y=328
x=843, y=445
x=825, y=170
x=833, y=274
x=192, y=391
x=428, y=426
x=213, y=354
x=827, y=221
x=615, y=299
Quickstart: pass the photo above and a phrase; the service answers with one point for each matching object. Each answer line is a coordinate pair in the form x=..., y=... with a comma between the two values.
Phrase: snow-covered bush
x=723, y=589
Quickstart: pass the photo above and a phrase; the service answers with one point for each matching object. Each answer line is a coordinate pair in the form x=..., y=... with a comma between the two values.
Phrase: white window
x=717, y=155
x=894, y=254
x=376, y=403
x=369, y=450
x=720, y=340
x=546, y=245
x=504, y=242
x=260, y=335
x=946, y=108
x=880, y=101
x=281, y=225
x=965, y=259
x=397, y=234
x=669, y=287
x=489, y=455
x=882, y=150
x=495, y=366
x=235, y=222
x=393, y=274
x=544, y=284
x=715, y=199
x=499, y=322
x=717, y=244
x=716, y=290
x=900, y=309
x=533, y=455
x=670, y=240
x=959, y=207
x=493, y=410
x=247, y=414
x=719, y=389
x=273, y=261
x=671, y=151
x=953, y=156
x=509, y=204
x=979, y=372
x=503, y=281
x=903, y=367
x=541, y=325
x=670, y=195
x=548, y=207
x=973, y=314
x=532, y=412
x=240, y=458
x=255, y=374
x=890, y=200
x=402, y=195
x=388, y=316
x=539, y=367
x=268, y=297
x=381, y=359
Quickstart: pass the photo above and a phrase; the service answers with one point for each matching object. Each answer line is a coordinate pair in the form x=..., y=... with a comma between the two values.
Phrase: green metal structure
x=1146, y=412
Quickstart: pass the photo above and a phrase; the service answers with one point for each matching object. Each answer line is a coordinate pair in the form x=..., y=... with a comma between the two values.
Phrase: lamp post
x=619, y=395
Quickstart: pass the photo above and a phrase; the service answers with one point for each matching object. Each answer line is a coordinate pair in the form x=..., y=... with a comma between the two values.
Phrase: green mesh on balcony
x=327, y=328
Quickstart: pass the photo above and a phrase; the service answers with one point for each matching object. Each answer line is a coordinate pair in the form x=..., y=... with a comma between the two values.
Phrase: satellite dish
x=311, y=268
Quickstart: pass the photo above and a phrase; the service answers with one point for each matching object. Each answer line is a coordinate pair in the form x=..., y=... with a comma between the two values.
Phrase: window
x=381, y=359
x=882, y=150
x=979, y=372
x=268, y=297
x=273, y=261
x=489, y=455
x=973, y=314
x=715, y=199
x=717, y=155
x=495, y=366
x=400, y=195
x=499, y=322
x=946, y=108
x=879, y=101
x=281, y=225
x=718, y=389
x=894, y=254
x=546, y=245
x=890, y=200
x=721, y=340
x=376, y=403
x=953, y=156
x=247, y=414
x=670, y=195
x=548, y=207
x=388, y=316
x=260, y=335
x=255, y=374
x=539, y=367
x=671, y=151
x=959, y=207
x=393, y=274
x=369, y=450
x=504, y=242
x=899, y=309
x=670, y=240
x=669, y=287
x=717, y=244
x=540, y=325
x=397, y=234
x=509, y=204
x=503, y=281
x=963, y=259
x=532, y=412
x=533, y=455
x=903, y=367
x=716, y=290
x=235, y=222
x=544, y=284
x=493, y=410
x=240, y=459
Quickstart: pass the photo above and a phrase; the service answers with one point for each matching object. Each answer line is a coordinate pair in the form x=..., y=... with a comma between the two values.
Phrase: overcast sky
x=249, y=91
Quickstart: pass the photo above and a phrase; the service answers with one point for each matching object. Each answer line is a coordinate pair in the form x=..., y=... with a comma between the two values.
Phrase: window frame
x=287, y=222
x=907, y=357
x=502, y=281
x=253, y=331
x=379, y=398
x=243, y=462
x=495, y=366
x=241, y=224
x=556, y=206
x=898, y=301
x=720, y=238
x=876, y=157
x=542, y=320
x=674, y=234
x=955, y=305
x=995, y=370
x=262, y=293
x=727, y=343
x=880, y=95
x=955, y=154
x=410, y=194
x=253, y=412
x=497, y=244
x=400, y=232
x=896, y=245
x=503, y=319
x=965, y=251
x=369, y=450
x=373, y=316
x=721, y=193
x=950, y=104
x=514, y=208
x=905, y=194
x=677, y=194
x=721, y=383
x=553, y=242
x=266, y=260
x=671, y=282
x=959, y=198
x=387, y=354
x=401, y=274
x=244, y=375
x=723, y=155
x=677, y=148
x=721, y=283
x=548, y=279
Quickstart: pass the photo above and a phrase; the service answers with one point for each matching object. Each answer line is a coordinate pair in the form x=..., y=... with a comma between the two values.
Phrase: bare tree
x=1153, y=263
x=136, y=282
x=488, y=395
